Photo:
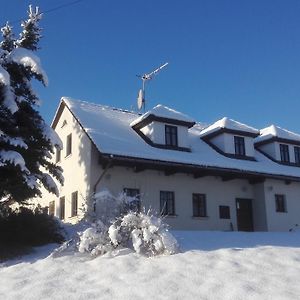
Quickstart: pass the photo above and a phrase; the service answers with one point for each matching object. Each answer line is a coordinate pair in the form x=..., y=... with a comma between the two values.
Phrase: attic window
x=297, y=155
x=284, y=153
x=171, y=135
x=239, y=145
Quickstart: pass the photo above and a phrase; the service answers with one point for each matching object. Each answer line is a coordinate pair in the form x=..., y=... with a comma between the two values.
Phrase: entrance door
x=244, y=214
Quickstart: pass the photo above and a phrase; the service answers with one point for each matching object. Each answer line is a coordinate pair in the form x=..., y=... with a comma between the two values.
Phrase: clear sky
x=232, y=58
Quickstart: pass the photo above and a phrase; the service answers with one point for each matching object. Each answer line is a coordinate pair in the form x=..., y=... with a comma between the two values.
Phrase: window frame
x=58, y=155
x=74, y=204
x=199, y=205
x=224, y=212
x=167, y=203
x=171, y=135
x=284, y=153
x=62, y=208
x=239, y=145
x=280, y=203
x=297, y=155
x=136, y=204
x=51, y=210
x=69, y=145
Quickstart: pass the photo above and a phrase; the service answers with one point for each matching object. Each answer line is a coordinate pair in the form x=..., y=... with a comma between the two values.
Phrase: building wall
x=282, y=221
x=271, y=149
x=150, y=183
x=75, y=166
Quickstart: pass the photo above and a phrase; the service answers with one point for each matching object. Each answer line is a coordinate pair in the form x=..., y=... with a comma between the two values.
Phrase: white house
x=227, y=176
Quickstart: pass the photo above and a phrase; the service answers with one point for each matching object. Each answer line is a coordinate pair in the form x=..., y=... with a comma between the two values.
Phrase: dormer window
x=297, y=155
x=239, y=146
x=284, y=153
x=171, y=135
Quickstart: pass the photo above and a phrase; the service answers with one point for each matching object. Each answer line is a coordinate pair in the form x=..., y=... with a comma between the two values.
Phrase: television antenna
x=141, y=95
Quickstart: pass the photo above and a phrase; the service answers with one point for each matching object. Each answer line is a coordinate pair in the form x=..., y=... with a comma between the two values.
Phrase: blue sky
x=232, y=58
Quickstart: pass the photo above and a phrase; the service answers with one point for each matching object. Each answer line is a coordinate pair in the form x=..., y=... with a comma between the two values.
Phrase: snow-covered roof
x=230, y=124
x=111, y=132
x=163, y=112
x=276, y=132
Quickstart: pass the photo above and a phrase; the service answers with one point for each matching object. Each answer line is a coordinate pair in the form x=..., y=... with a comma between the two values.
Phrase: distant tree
x=26, y=142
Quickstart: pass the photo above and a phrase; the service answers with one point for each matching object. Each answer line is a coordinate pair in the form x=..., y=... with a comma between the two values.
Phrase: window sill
x=200, y=218
x=68, y=155
x=169, y=216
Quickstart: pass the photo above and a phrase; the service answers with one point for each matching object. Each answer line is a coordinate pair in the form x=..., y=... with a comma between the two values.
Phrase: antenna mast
x=141, y=96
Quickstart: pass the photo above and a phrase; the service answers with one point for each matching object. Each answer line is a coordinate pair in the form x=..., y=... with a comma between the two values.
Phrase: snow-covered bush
x=145, y=233
x=118, y=227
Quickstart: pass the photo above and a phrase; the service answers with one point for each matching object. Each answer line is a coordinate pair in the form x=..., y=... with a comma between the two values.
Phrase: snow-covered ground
x=212, y=265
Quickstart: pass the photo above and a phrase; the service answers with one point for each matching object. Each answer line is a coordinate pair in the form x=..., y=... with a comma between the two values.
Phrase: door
x=244, y=214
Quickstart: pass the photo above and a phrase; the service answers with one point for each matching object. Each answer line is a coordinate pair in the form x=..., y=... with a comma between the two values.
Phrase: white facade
x=86, y=173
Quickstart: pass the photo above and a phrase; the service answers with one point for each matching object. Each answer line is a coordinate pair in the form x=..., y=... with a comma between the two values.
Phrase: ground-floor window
x=62, y=208
x=280, y=203
x=167, y=203
x=135, y=202
x=199, y=205
x=52, y=208
x=224, y=212
x=74, y=204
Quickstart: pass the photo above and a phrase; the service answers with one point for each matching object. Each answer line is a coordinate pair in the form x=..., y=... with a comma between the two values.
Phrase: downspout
x=108, y=166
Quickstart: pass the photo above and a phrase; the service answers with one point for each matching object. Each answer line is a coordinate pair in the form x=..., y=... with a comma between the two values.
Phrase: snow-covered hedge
x=144, y=233
x=117, y=227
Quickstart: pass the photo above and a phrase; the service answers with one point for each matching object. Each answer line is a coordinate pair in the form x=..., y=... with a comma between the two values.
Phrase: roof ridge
x=101, y=105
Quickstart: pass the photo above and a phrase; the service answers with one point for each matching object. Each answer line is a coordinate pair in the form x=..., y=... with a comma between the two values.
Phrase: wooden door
x=244, y=214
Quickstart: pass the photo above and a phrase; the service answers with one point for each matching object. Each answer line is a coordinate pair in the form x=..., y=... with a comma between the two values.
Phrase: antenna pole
x=145, y=77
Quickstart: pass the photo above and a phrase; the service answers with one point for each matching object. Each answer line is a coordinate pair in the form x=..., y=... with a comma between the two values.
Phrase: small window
x=297, y=155
x=171, y=135
x=135, y=203
x=280, y=203
x=224, y=212
x=284, y=153
x=58, y=155
x=167, y=203
x=74, y=204
x=239, y=145
x=62, y=208
x=69, y=145
x=199, y=205
x=51, y=208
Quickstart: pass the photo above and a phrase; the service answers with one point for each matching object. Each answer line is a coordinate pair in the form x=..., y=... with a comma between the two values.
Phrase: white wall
x=76, y=167
x=151, y=183
x=282, y=221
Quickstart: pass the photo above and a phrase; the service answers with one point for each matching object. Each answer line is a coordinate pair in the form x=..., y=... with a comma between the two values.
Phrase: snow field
x=227, y=266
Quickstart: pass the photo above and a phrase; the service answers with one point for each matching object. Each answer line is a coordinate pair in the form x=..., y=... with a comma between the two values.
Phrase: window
x=167, y=203
x=239, y=145
x=224, y=212
x=135, y=204
x=51, y=208
x=69, y=145
x=280, y=203
x=62, y=208
x=284, y=153
x=199, y=205
x=171, y=135
x=74, y=204
x=297, y=155
x=58, y=155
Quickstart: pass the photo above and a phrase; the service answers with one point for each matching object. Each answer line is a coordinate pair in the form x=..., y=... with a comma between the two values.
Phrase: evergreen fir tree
x=26, y=141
